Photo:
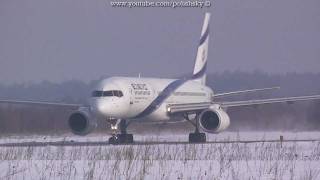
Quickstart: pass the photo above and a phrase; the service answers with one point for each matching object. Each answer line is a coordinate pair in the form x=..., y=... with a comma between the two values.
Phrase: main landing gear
x=196, y=137
x=123, y=137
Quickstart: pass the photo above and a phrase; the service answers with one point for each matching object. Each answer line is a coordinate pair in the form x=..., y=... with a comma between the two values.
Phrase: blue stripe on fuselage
x=167, y=91
x=162, y=96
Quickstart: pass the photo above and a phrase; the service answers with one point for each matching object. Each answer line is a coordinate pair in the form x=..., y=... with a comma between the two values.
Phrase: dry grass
x=181, y=161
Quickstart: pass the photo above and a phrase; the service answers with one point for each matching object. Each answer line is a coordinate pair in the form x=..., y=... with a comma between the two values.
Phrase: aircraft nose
x=98, y=106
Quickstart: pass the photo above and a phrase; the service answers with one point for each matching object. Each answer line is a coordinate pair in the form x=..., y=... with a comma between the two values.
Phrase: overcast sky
x=58, y=40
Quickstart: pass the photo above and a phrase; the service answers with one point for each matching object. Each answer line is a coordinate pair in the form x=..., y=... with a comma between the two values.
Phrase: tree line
x=17, y=118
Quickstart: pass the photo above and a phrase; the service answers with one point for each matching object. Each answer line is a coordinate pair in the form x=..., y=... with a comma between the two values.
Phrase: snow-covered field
x=264, y=160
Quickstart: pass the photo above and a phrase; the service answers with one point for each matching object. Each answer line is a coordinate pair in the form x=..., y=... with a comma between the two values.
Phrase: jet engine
x=81, y=122
x=214, y=119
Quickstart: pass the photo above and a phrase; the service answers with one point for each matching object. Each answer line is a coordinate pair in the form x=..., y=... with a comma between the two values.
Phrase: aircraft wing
x=244, y=91
x=40, y=103
x=197, y=107
x=190, y=107
x=268, y=101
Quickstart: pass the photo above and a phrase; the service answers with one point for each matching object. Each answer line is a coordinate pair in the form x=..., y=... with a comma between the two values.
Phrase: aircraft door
x=131, y=96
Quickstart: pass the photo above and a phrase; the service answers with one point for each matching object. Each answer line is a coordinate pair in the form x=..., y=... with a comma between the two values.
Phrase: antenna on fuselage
x=139, y=75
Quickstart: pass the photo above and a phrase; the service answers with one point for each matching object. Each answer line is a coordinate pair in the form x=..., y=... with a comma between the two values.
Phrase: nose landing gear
x=123, y=137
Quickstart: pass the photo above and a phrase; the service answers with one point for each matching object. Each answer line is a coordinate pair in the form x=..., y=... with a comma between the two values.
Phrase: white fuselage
x=145, y=98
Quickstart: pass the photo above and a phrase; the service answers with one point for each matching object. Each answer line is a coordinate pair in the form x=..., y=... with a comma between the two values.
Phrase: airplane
x=123, y=100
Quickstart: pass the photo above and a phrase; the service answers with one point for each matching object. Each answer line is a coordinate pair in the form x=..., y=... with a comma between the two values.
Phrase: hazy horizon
x=56, y=41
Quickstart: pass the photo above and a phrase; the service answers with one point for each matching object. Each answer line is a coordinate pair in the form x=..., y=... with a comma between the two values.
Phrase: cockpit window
x=117, y=93
x=107, y=93
x=97, y=93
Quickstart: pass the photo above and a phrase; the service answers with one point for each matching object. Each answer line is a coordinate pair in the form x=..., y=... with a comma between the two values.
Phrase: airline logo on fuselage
x=140, y=89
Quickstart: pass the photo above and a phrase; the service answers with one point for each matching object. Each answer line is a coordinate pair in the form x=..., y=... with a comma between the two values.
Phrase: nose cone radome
x=99, y=107
x=108, y=108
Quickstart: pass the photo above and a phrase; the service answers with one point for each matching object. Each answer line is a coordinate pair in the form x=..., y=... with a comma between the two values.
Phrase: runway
x=105, y=143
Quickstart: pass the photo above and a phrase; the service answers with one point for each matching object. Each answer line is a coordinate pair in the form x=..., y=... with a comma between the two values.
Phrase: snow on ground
x=225, y=136
x=265, y=160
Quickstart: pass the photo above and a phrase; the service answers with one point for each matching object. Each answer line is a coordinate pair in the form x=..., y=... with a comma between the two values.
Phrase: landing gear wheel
x=121, y=139
x=125, y=138
x=113, y=140
x=197, y=137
